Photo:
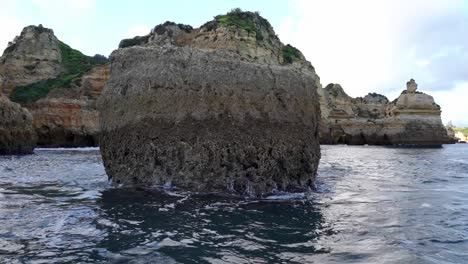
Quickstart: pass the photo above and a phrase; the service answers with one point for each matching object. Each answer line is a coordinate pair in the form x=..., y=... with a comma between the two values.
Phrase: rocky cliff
x=17, y=135
x=411, y=119
x=31, y=57
x=222, y=108
x=59, y=86
x=68, y=117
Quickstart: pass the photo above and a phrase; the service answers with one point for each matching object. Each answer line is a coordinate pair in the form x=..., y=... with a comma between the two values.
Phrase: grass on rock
x=75, y=64
x=290, y=54
x=464, y=130
x=248, y=21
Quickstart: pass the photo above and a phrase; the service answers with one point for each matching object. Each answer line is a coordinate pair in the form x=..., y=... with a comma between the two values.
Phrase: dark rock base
x=413, y=134
x=250, y=158
x=60, y=137
x=16, y=142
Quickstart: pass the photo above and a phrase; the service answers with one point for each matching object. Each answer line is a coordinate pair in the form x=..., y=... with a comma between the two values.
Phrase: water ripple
x=372, y=205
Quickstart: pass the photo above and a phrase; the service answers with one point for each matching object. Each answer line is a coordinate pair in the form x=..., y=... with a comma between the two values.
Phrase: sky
x=364, y=45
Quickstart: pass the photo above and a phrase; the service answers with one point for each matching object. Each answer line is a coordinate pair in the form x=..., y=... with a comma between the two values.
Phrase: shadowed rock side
x=57, y=84
x=17, y=135
x=214, y=109
x=413, y=119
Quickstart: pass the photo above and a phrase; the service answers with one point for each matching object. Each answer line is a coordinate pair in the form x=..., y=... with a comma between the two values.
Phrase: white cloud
x=75, y=5
x=137, y=30
x=454, y=104
x=376, y=46
x=11, y=24
x=344, y=41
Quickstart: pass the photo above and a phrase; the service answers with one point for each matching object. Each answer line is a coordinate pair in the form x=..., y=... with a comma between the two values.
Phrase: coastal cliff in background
x=223, y=108
x=411, y=119
x=57, y=84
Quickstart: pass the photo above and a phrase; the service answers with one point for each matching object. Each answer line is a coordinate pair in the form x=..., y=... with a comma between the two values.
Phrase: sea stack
x=224, y=108
x=418, y=117
x=413, y=119
x=57, y=84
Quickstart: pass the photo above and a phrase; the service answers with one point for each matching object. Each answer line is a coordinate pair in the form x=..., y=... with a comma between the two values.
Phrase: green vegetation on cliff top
x=290, y=53
x=252, y=22
x=464, y=130
x=248, y=21
x=75, y=64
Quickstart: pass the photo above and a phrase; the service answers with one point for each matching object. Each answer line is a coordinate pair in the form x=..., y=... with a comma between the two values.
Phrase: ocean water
x=372, y=205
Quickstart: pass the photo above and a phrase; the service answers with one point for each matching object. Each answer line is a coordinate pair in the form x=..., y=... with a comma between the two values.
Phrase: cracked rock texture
x=31, y=57
x=214, y=109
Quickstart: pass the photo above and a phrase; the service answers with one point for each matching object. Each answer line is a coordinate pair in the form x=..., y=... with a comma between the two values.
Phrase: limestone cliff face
x=460, y=137
x=17, y=135
x=221, y=108
x=57, y=84
x=412, y=119
x=31, y=57
x=68, y=117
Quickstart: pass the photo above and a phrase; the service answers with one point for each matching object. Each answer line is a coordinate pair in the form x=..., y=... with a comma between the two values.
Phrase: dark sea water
x=373, y=205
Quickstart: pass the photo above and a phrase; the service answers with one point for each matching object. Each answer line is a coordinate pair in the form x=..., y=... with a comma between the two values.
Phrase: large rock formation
x=17, y=135
x=68, y=117
x=412, y=119
x=222, y=108
x=31, y=57
x=59, y=86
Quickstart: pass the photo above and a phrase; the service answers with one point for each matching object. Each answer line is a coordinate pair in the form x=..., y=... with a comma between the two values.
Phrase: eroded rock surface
x=413, y=119
x=57, y=84
x=213, y=109
x=68, y=117
x=17, y=135
x=31, y=57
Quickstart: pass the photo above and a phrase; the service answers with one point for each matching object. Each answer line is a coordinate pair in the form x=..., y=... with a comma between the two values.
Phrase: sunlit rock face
x=68, y=117
x=213, y=109
x=31, y=57
x=459, y=136
x=412, y=119
x=17, y=135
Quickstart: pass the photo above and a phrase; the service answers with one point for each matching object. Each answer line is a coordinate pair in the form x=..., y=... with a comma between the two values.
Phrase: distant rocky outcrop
x=59, y=86
x=222, y=108
x=17, y=135
x=412, y=119
x=451, y=133
x=459, y=134
x=461, y=137
x=31, y=57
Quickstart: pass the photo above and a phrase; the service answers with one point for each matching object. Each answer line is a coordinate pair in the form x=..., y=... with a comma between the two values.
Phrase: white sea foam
x=287, y=196
x=72, y=149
